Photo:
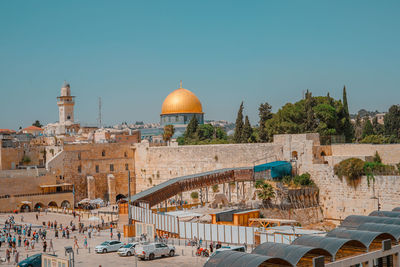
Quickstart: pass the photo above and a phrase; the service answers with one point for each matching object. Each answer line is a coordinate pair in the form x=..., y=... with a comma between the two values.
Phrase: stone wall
x=154, y=165
x=22, y=182
x=78, y=161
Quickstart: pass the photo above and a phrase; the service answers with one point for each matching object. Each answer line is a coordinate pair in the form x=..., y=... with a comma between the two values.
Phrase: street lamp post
x=129, y=199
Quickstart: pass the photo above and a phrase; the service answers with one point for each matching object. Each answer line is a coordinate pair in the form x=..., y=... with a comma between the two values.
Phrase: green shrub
x=287, y=180
x=26, y=159
x=352, y=169
x=303, y=180
x=215, y=188
x=194, y=195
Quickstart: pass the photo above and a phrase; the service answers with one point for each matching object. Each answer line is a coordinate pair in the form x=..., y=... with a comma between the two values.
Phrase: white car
x=127, y=250
x=108, y=246
x=153, y=250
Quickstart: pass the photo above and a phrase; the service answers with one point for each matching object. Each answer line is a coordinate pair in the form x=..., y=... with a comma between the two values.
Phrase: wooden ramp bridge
x=175, y=186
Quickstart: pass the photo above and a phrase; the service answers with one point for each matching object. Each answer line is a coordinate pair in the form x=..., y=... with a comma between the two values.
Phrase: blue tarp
x=278, y=168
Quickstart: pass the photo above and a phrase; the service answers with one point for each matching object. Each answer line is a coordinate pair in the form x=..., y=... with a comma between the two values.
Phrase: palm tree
x=169, y=131
x=265, y=191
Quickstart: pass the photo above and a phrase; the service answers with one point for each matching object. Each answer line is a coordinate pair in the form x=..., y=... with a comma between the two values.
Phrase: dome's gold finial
x=181, y=84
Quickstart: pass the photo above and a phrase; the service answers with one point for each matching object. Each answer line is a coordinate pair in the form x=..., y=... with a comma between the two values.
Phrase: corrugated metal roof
x=241, y=259
x=392, y=229
x=354, y=221
x=331, y=244
x=380, y=213
x=290, y=253
x=365, y=237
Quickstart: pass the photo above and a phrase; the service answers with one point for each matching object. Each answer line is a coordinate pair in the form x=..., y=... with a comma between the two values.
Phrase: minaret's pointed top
x=181, y=84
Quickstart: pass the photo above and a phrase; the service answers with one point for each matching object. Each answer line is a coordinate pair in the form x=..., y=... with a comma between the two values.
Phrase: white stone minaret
x=66, y=104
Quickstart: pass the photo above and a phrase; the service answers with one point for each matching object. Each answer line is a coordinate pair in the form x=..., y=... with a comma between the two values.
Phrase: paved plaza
x=87, y=257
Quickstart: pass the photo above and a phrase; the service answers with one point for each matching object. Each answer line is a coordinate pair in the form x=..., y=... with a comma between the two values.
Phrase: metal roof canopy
x=330, y=244
x=365, y=237
x=396, y=209
x=380, y=213
x=290, y=253
x=354, y=221
x=172, y=187
x=392, y=229
x=242, y=259
x=278, y=168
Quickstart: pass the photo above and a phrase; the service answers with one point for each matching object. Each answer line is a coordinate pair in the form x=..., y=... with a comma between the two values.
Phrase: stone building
x=96, y=170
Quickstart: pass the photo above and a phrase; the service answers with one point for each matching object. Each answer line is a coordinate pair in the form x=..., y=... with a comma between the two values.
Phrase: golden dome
x=181, y=101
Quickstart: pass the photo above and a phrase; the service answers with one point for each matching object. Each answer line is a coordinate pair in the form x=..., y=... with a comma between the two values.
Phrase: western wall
x=154, y=165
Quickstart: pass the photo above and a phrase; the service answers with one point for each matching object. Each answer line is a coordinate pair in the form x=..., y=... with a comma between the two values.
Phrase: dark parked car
x=32, y=261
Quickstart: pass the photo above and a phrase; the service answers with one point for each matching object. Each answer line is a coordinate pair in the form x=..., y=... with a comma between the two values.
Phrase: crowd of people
x=18, y=237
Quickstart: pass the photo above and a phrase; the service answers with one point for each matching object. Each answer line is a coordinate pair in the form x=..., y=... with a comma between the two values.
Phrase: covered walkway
x=175, y=186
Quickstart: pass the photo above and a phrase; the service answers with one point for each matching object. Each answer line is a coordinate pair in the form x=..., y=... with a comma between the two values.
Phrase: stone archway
x=25, y=208
x=119, y=197
x=295, y=155
x=65, y=204
x=39, y=206
x=52, y=204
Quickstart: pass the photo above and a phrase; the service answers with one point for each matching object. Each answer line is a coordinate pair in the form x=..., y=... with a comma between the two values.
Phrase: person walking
x=119, y=236
x=76, y=242
x=44, y=246
x=85, y=242
x=8, y=255
x=16, y=257
x=51, y=248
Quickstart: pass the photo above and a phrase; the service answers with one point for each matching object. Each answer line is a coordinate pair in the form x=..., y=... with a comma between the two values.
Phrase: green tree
x=169, y=131
x=378, y=128
x=265, y=191
x=37, y=124
x=265, y=114
x=310, y=123
x=237, y=137
x=358, y=129
x=205, y=132
x=392, y=121
x=348, y=130
x=247, y=131
x=368, y=129
x=191, y=129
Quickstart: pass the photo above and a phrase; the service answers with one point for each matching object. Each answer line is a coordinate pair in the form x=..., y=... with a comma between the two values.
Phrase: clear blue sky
x=133, y=53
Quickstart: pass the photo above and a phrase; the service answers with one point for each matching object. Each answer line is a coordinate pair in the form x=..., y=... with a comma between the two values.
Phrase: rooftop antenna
x=99, y=118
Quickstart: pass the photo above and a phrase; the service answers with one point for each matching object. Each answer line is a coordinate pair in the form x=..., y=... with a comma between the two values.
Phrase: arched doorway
x=294, y=155
x=119, y=198
x=53, y=204
x=65, y=204
x=25, y=208
x=38, y=207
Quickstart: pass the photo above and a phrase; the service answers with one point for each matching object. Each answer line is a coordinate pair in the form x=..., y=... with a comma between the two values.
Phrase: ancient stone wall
x=155, y=165
x=78, y=161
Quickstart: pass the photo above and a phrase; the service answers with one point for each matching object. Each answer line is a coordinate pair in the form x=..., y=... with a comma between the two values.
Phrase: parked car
x=108, y=246
x=127, y=250
x=32, y=261
x=153, y=250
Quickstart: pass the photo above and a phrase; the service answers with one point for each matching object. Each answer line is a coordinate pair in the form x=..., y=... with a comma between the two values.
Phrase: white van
x=153, y=250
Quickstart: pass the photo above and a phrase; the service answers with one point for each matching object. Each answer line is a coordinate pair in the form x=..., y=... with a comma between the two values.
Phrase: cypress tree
x=237, y=137
x=347, y=127
x=345, y=104
x=310, y=123
x=247, y=131
x=264, y=111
